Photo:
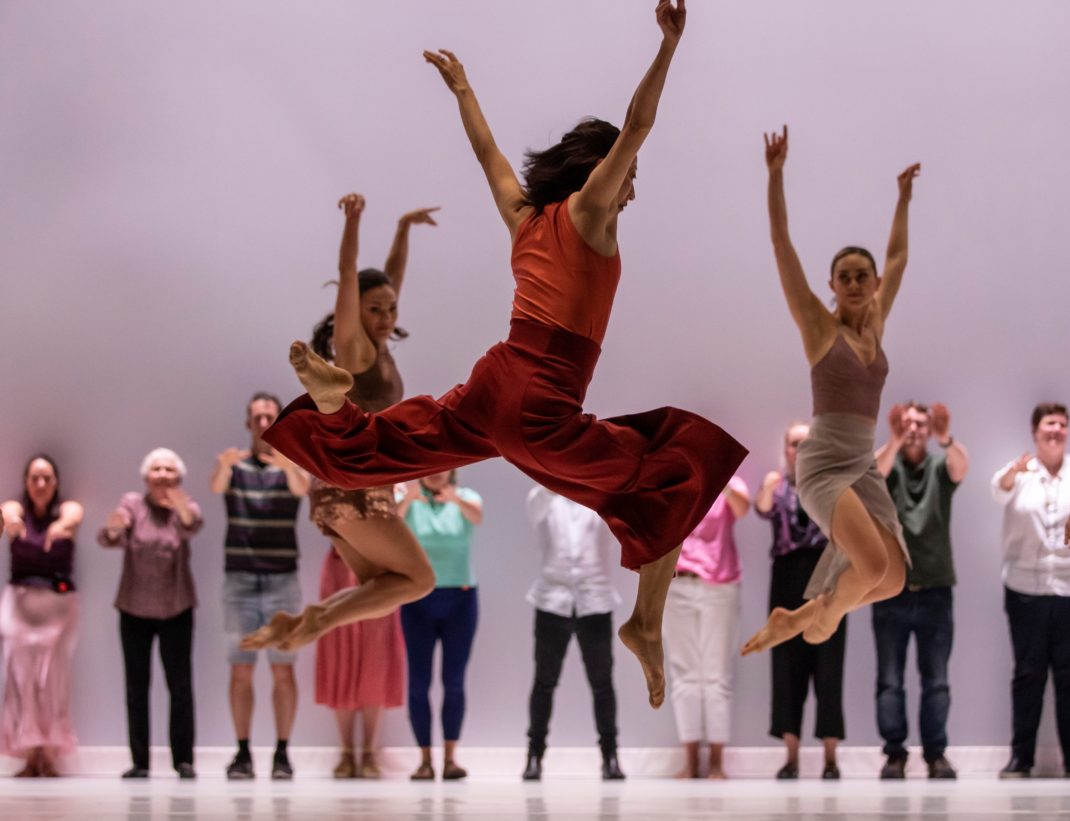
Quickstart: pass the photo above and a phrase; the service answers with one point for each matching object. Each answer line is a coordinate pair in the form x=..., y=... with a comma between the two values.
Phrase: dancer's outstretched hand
x=352, y=205
x=450, y=68
x=776, y=149
x=671, y=19
x=906, y=181
x=421, y=216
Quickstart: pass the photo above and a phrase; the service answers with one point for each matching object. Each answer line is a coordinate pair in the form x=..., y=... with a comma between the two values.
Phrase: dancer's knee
x=873, y=568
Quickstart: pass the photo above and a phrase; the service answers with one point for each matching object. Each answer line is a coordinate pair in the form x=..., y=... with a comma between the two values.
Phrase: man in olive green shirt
x=921, y=485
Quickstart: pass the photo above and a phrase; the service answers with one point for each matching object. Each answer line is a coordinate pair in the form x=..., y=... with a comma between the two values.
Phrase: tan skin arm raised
x=763, y=503
x=354, y=350
x=895, y=259
x=398, y=258
x=815, y=322
x=595, y=207
x=503, y=182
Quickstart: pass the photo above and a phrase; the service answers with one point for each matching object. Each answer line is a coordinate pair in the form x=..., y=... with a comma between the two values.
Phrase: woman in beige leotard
x=837, y=478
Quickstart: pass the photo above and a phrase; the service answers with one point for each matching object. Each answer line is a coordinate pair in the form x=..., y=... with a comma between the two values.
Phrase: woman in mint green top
x=443, y=517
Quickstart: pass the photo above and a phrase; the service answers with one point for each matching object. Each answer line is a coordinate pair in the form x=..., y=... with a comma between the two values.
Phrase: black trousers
x=176, y=645
x=796, y=663
x=595, y=636
x=1041, y=639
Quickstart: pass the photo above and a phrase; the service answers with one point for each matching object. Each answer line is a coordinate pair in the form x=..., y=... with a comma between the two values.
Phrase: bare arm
x=224, y=462
x=354, y=350
x=595, y=205
x=66, y=526
x=813, y=319
x=958, y=460
x=398, y=257
x=887, y=452
x=738, y=500
x=895, y=260
x=297, y=480
x=504, y=186
x=1005, y=481
x=764, y=502
x=14, y=526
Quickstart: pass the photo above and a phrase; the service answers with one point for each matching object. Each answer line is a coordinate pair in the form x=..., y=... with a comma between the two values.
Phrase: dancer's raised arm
x=895, y=261
x=354, y=350
x=814, y=319
x=398, y=257
x=504, y=185
x=596, y=205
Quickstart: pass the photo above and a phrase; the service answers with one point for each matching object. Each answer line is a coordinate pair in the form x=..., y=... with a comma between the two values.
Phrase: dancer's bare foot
x=326, y=384
x=782, y=626
x=647, y=648
x=272, y=634
x=826, y=621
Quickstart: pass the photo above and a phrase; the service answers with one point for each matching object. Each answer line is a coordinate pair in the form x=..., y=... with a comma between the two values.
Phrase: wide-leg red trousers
x=651, y=476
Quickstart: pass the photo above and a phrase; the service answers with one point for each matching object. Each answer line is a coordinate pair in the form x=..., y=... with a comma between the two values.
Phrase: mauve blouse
x=156, y=581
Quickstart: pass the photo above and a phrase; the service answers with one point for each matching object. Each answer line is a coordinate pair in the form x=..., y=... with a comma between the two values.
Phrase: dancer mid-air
x=652, y=476
x=836, y=473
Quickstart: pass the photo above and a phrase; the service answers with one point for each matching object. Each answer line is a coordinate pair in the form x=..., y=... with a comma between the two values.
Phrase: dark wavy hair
x=52, y=508
x=562, y=169
x=1047, y=409
x=852, y=249
x=322, y=341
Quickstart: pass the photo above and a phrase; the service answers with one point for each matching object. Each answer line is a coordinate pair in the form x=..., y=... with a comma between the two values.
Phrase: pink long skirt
x=362, y=664
x=39, y=630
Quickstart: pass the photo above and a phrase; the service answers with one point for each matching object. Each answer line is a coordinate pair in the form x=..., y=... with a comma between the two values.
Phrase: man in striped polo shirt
x=263, y=492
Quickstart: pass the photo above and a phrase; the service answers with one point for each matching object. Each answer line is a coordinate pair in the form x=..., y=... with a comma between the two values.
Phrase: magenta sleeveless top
x=842, y=383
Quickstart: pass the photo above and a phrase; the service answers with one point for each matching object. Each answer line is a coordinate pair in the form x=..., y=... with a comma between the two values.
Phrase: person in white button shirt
x=1035, y=493
x=572, y=595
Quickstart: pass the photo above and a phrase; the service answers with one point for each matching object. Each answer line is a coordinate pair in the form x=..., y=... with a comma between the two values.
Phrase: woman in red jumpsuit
x=652, y=476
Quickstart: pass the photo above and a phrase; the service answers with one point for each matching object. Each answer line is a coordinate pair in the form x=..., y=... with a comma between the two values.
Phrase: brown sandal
x=347, y=766
x=369, y=768
x=425, y=772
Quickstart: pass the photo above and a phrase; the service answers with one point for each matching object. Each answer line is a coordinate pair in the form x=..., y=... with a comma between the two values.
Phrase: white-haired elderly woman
x=156, y=598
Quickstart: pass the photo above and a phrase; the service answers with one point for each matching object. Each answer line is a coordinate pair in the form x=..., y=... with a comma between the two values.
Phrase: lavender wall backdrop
x=168, y=175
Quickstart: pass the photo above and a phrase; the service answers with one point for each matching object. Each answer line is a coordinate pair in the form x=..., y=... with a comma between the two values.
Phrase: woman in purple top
x=38, y=622
x=838, y=480
x=701, y=630
x=156, y=598
x=797, y=546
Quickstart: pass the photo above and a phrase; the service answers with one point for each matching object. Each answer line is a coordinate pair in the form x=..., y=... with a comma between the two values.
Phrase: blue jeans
x=928, y=615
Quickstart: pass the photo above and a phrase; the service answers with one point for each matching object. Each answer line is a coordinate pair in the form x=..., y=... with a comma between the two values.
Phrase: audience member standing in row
x=921, y=485
x=572, y=595
x=156, y=599
x=443, y=517
x=701, y=631
x=39, y=621
x=1034, y=490
x=263, y=493
x=797, y=546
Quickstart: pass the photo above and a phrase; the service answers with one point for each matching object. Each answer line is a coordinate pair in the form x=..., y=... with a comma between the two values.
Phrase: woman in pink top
x=838, y=481
x=701, y=627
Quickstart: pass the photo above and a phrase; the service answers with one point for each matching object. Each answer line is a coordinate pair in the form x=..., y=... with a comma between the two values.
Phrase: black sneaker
x=940, y=768
x=240, y=769
x=789, y=772
x=185, y=771
x=136, y=772
x=895, y=768
x=281, y=769
x=831, y=772
x=1016, y=768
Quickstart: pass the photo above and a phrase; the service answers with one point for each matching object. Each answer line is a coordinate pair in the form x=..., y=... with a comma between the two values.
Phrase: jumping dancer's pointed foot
x=782, y=626
x=647, y=648
x=326, y=385
x=826, y=621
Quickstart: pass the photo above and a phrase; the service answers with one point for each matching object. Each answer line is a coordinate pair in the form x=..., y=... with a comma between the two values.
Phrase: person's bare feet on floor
x=648, y=649
x=782, y=626
x=326, y=384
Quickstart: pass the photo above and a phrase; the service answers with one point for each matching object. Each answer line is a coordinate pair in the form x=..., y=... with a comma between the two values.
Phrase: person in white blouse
x=1035, y=493
x=572, y=595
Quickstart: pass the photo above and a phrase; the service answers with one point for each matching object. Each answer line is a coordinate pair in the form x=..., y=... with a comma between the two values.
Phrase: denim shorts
x=249, y=602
